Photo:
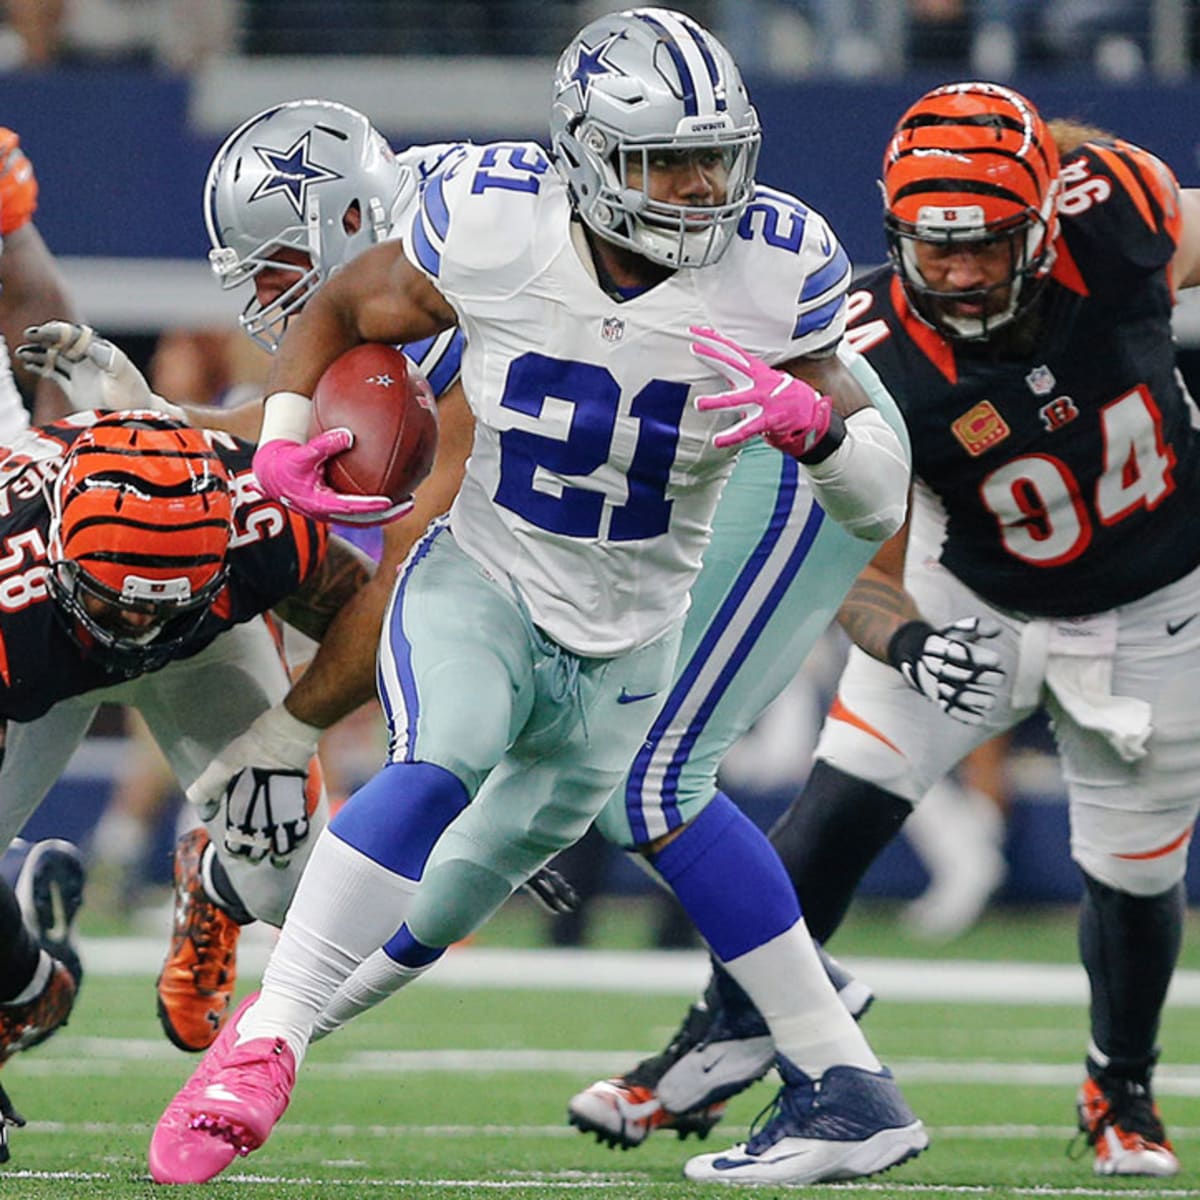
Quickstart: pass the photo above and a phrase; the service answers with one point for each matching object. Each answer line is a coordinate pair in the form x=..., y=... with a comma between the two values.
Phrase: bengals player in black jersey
x=138, y=563
x=1024, y=327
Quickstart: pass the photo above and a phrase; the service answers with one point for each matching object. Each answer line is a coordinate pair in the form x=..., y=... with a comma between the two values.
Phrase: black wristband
x=905, y=645
x=835, y=435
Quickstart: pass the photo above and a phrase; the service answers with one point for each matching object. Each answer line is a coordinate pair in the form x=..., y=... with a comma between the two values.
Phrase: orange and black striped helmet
x=972, y=162
x=141, y=516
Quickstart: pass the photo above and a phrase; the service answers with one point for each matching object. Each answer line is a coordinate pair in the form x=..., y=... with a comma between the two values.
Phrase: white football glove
x=949, y=667
x=260, y=777
x=90, y=370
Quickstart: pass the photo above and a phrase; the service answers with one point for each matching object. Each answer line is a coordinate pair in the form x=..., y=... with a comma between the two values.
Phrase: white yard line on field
x=681, y=972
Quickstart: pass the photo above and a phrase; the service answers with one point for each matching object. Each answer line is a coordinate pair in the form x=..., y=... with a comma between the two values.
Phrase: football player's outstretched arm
x=32, y=290
x=284, y=738
x=948, y=666
x=346, y=657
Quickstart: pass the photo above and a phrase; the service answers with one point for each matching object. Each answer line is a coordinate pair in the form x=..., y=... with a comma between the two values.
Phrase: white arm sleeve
x=863, y=484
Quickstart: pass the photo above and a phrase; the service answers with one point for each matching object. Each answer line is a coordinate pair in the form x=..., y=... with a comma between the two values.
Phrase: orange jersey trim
x=839, y=712
x=929, y=341
x=18, y=184
x=4, y=669
x=1065, y=271
x=1161, y=852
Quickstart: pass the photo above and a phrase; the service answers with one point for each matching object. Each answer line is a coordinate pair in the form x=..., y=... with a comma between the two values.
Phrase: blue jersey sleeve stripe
x=835, y=271
x=427, y=256
x=417, y=350
x=433, y=207
x=445, y=370
x=818, y=318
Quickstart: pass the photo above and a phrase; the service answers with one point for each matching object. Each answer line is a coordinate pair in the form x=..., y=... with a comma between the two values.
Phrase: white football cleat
x=849, y=1124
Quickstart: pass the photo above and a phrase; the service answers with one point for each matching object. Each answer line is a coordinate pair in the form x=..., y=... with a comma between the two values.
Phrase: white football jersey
x=593, y=478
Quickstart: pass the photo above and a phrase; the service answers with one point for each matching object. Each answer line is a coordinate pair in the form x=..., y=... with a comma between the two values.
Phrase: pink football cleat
x=244, y=1101
x=178, y=1153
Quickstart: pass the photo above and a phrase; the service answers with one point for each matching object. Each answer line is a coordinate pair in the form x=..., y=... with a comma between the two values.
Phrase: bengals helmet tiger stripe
x=972, y=162
x=141, y=516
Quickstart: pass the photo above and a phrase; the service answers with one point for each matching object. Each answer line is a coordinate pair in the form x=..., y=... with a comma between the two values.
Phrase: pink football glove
x=291, y=473
x=788, y=413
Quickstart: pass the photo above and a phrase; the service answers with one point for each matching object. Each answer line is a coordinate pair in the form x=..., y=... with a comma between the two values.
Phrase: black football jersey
x=1069, y=476
x=272, y=552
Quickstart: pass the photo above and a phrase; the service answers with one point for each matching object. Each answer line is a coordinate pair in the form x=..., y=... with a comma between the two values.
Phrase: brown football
x=384, y=400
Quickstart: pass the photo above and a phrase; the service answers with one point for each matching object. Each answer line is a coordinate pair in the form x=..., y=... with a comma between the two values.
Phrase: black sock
x=829, y=836
x=1129, y=946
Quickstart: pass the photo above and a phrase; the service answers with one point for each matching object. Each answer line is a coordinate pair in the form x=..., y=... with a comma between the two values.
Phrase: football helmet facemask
x=972, y=162
x=636, y=87
x=140, y=521
x=309, y=176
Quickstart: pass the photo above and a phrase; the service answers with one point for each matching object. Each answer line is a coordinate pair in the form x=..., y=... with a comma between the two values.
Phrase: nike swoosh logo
x=711, y=1064
x=1173, y=627
x=633, y=697
x=728, y=1164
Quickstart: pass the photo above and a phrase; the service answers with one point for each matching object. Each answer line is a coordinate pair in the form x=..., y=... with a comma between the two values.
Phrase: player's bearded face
x=696, y=178
x=130, y=623
x=972, y=279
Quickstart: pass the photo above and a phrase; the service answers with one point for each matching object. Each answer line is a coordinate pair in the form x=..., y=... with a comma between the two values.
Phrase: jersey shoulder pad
x=1123, y=197
x=18, y=184
x=792, y=265
x=483, y=217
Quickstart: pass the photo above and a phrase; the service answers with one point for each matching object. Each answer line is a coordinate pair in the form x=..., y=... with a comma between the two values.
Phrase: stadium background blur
x=122, y=103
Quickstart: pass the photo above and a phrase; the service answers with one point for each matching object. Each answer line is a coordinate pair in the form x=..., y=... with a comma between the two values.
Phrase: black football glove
x=552, y=892
x=8, y=1117
x=949, y=667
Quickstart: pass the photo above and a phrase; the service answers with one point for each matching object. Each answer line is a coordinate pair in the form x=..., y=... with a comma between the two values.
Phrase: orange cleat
x=196, y=984
x=25, y=1025
x=1121, y=1123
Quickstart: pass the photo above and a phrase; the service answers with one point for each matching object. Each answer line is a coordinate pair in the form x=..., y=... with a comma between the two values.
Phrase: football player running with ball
x=530, y=633
x=1024, y=327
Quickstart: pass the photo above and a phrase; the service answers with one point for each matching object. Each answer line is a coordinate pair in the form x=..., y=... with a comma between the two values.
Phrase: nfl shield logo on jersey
x=612, y=329
x=1040, y=381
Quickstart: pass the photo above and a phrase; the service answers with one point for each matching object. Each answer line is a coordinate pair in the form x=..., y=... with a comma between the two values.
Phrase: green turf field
x=455, y=1093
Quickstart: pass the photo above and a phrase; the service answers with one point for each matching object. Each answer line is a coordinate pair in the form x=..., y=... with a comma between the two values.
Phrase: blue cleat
x=849, y=1124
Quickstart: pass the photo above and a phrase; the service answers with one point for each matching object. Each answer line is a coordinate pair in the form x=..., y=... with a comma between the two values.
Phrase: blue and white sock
x=733, y=886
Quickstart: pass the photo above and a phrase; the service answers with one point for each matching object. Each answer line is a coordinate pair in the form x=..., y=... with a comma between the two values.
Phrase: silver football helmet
x=638, y=85
x=310, y=176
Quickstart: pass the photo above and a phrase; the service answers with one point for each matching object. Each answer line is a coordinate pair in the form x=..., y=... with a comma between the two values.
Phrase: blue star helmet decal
x=590, y=62
x=292, y=172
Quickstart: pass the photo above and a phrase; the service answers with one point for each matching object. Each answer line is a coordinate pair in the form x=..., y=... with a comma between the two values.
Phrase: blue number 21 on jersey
x=575, y=511
x=563, y=508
